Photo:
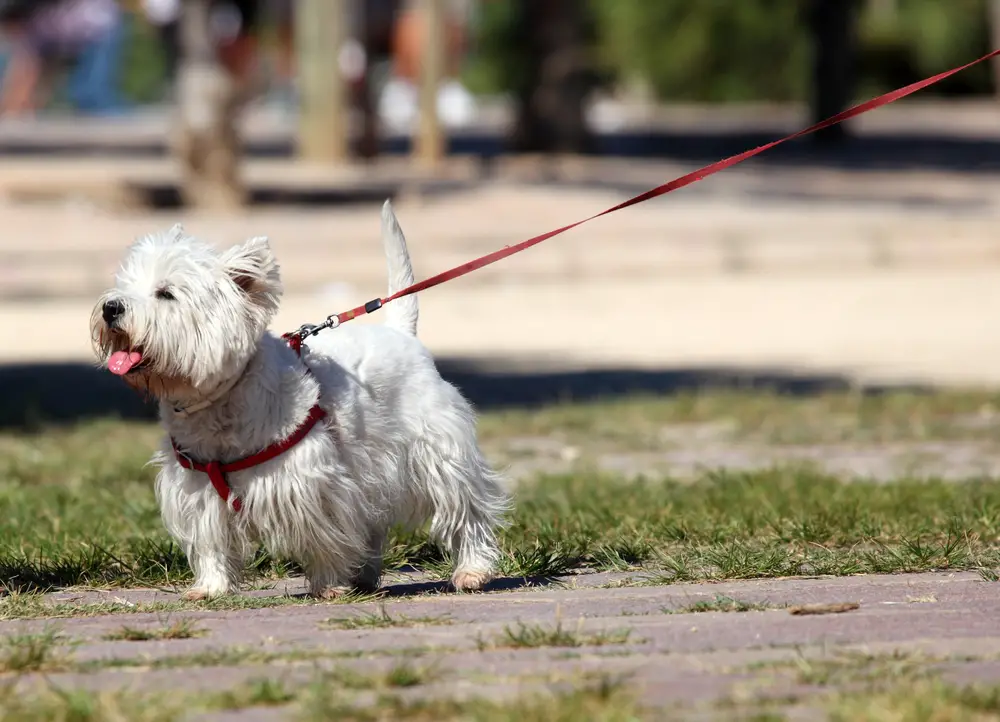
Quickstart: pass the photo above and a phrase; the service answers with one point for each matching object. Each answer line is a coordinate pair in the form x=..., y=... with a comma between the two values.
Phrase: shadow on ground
x=35, y=395
x=168, y=196
x=917, y=150
x=503, y=584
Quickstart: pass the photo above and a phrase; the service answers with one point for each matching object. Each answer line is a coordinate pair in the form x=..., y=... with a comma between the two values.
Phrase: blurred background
x=862, y=255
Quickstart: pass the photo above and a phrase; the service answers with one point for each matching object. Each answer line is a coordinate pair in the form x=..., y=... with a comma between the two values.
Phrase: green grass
x=241, y=655
x=382, y=619
x=32, y=652
x=725, y=526
x=856, y=670
x=34, y=605
x=853, y=686
x=181, y=629
x=57, y=705
x=399, y=676
x=531, y=636
x=772, y=523
x=262, y=692
x=721, y=603
x=605, y=701
x=78, y=506
x=646, y=423
x=922, y=701
x=332, y=695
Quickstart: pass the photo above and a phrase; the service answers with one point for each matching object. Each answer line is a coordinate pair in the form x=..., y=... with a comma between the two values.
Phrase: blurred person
x=235, y=26
x=399, y=103
x=47, y=33
x=371, y=31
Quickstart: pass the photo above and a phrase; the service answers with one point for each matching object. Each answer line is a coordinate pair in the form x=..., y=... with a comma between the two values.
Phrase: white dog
x=314, y=456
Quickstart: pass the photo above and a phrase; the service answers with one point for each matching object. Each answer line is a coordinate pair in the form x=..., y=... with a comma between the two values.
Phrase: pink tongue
x=121, y=361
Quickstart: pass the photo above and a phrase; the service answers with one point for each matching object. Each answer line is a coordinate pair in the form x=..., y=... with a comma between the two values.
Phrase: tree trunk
x=551, y=99
x=833, y=25
x=320, y=34
x=205, y=140
x=994, y=22
x=430, y=141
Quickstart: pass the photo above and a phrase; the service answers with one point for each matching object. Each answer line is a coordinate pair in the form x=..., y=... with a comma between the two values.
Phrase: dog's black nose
x=112, y=311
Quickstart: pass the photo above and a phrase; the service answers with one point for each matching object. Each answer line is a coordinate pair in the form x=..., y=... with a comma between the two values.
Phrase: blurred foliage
x=497, y=63
x=142, y=67
x=922, y=38
x=740, y=50
x=710, y=50
x=141, y=70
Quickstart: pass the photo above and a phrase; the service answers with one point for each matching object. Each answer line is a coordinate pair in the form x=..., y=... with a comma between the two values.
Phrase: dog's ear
x=252, y=267
x=176, y=232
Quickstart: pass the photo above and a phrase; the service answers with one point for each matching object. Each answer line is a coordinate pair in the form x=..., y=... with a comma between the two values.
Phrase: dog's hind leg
x=326, y=579
x=369, y=577
x=469, y=506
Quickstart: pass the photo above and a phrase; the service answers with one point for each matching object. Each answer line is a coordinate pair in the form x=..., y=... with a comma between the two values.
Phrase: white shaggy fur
x=398, y=445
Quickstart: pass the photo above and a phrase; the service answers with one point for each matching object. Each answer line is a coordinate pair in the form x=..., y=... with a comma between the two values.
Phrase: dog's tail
x=402, y=313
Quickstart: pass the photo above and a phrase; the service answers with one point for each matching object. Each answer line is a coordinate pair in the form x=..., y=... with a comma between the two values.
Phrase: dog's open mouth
x=124, y=362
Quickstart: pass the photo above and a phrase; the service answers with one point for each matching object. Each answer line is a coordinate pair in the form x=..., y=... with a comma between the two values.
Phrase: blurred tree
x=320, y=32
x=430, y=142
x=751, y=50
x=921, y=38
x=144, y=71
x=205, y=138
x=994, y=23
x=834, y=30
x=555, y=78
x=711, y=50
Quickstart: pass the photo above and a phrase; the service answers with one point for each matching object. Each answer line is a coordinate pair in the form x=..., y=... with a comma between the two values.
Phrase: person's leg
x=20, y=81
x=240, y=54
x=94, y=82
x=239, y=57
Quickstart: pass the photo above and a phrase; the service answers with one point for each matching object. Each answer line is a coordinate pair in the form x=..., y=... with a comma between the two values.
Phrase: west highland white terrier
x=315, y=453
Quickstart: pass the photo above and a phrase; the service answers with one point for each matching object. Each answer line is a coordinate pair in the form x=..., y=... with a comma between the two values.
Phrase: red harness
x=217, y=471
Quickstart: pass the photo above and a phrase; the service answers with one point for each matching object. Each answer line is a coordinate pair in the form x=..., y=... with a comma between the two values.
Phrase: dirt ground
x=717, y=279
x=667, y=652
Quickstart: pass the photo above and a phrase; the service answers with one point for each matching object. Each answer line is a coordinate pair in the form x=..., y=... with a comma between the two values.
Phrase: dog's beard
x=153, y=385
x=145, y=374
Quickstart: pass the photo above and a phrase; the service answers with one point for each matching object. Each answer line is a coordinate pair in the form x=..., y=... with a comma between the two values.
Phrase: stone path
x=671, y=656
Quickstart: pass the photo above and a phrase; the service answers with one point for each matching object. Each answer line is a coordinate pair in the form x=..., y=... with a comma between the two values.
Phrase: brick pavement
x=671, y=656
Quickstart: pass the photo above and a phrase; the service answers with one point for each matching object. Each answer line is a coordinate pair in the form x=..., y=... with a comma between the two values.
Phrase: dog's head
x=184, y=318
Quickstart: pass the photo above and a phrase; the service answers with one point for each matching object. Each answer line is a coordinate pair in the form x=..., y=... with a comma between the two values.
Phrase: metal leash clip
x=311, y=329
x=304, y=331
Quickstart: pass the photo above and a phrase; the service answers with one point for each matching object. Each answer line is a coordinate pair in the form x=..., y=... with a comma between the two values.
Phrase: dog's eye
x=164, y=294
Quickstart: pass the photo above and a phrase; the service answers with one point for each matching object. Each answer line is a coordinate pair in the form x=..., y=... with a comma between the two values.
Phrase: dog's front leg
x=203, y=527
x=217, y=571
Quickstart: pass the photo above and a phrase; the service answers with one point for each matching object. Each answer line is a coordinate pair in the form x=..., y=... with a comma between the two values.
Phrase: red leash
x=474, y=265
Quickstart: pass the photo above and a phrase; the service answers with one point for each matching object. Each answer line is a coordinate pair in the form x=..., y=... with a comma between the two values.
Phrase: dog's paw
x=196, y=595
x=469, y=581
x=331, y=592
